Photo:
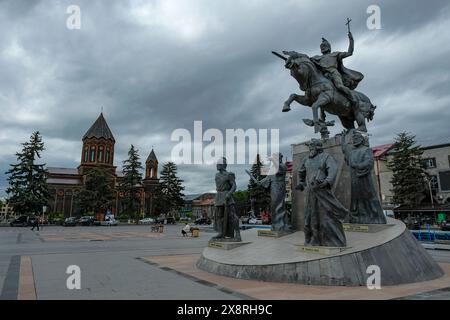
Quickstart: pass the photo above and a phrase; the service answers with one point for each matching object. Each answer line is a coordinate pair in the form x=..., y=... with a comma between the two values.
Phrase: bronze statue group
x=329, y=87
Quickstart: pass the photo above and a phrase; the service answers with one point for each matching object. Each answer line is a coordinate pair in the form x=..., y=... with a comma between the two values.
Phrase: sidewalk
x=185, y=265
x=436, y=246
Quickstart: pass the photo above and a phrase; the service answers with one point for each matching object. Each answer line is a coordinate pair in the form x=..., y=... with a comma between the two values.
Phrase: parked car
x=86, y=221
x=23, y=221
x=202, y=221
x=389, y=213
x=146, y=221
x=412, y=225
x=445, y=226
x=168, y=220
x=109, y=222
x=255, y=221
x=70, y=222
x=244, y=219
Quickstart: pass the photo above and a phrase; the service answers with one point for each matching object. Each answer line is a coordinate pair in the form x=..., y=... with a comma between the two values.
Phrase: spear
x=279, y=55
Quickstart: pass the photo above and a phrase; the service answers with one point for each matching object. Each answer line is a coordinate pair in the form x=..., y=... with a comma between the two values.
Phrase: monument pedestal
x=370, y=228
x=321, y=250
x=273, y=233
x=401, y=258
x=226, y=245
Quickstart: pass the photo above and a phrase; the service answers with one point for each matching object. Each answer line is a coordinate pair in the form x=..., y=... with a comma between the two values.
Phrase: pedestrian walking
x=35, y=224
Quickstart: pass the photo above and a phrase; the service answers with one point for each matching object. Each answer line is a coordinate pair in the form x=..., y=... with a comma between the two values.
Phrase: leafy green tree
x=242, y=202
x=130, y=184
x=241, y=195
x=259, y=196
x=97, y=194
x=169, y=192
x=28, y=189
x=409, y=171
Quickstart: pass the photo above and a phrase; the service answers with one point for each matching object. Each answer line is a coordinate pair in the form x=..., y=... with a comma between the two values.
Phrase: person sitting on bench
x=186, y=229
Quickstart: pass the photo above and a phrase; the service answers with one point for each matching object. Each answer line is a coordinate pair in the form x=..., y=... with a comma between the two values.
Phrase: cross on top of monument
x=348, y=24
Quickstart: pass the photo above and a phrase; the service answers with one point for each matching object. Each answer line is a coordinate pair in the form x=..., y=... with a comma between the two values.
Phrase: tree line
x=28, y=190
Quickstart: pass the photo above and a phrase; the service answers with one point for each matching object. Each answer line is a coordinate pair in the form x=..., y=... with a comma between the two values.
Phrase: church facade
x=97, y=151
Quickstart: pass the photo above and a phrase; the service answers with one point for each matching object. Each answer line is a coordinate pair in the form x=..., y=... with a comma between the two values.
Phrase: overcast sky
x=156, y=66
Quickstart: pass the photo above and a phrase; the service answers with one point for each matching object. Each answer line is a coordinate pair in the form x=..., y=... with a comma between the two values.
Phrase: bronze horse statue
x=320, y=93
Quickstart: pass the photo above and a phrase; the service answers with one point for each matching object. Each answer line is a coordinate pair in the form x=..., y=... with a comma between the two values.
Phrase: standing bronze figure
x=365, y=205
x=226, y=220
x=323, y=211
x=276, y=181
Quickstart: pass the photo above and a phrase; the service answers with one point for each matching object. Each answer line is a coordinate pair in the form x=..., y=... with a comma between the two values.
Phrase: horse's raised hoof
x=286, y=108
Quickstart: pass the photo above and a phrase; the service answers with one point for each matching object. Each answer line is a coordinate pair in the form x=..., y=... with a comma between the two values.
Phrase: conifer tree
x=130, y=184
x=28, y=189
x=169, y=192
x=408, y=168
x=259, y=196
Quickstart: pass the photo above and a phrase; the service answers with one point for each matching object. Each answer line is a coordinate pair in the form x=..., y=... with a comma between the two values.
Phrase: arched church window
x=100, y=154
x=92, y=153
x=86, y=154
x=107, y=155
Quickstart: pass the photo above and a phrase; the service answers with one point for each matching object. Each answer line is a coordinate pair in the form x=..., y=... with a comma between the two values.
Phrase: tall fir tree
x=130, y=184
x=169, y=192
x=409, y=171
x=259, y=196
x=28, y=189
x=97, y=193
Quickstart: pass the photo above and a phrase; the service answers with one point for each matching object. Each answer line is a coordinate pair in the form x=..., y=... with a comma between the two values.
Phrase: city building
x=435, y=204
x=200, y=205
x=97, y=150
x=6, y=210
x=203, y=208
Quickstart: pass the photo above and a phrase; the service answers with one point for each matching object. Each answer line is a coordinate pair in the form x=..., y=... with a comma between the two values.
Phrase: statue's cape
x=350, y=78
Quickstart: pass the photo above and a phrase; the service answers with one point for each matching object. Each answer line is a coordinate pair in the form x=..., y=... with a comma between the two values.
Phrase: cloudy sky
x=156, y=66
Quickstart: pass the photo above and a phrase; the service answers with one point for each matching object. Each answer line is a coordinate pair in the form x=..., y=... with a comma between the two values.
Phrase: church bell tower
x=98, y=147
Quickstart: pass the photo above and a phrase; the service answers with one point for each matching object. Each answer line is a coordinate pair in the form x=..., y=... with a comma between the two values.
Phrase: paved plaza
x=130, y=262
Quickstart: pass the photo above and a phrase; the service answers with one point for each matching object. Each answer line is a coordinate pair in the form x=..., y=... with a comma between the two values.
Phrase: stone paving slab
x=97, y=236
x=114, y=276
x=285, y=291
x=27, y=290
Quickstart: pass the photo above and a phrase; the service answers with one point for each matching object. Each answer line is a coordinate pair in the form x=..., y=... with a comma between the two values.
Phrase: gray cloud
x=160, y=65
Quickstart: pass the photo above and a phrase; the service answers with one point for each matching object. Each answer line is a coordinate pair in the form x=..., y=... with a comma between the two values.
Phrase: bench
x=157, y=228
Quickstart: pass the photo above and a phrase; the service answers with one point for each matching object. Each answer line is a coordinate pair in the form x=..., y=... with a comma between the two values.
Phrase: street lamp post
x=431, y=192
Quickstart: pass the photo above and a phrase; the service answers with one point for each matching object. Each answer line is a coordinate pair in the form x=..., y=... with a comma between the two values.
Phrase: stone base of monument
x=401, y=258
x=370, y=228
x=226, y=245
x=321, y=250
x=272, y=233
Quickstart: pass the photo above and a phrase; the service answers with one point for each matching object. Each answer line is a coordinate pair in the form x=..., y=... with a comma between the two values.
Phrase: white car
x=109, y=222
x=146, y=221
x=255, y=221
x=389, y=213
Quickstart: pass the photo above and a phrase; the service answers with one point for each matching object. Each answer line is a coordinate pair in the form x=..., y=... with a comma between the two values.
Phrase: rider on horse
x=330, y=64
